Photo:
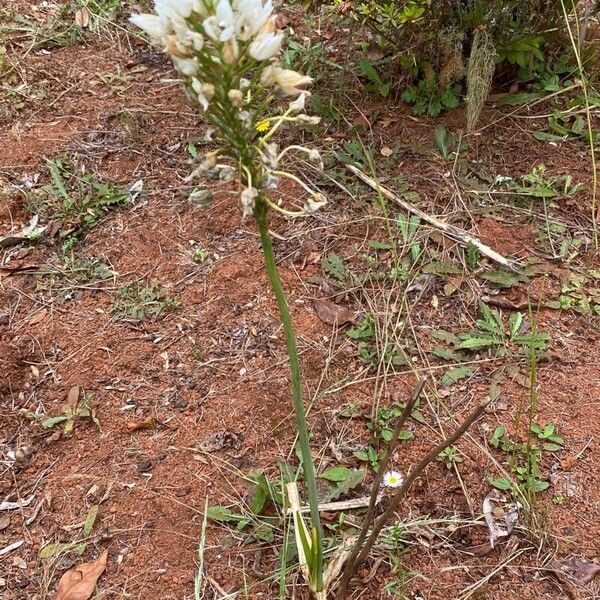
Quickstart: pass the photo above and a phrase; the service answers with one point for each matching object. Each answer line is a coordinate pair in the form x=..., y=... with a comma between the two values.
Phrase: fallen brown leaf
x=578, y=571
x=38, y=316
x=147, y=423
x=332, y=313
x=79, y=582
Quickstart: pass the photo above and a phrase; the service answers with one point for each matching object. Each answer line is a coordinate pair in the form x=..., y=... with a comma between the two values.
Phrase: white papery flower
x=314, y=203
x=245, y=117
x=186, y=66
x=179, y=8
x=204, y=92
x=308, y=120
x=287, y=80
x=265, y=46
x=153, y=25
x=221, y=26
x=248, y=198
x=253, y=16
x=393, y=479
x=299, y=103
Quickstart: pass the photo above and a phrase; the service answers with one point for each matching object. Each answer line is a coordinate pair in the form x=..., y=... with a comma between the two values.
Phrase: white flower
x=269, y=156
x=287, y=80
x=178, y=8
x=313, y=204
x=265, y=45
x=221, y=26
x=393, y=479
x=225, y=172
x=236, y=97
x=272, y=182
x=299, y=103
x=308, y=120
x=186, y=66
x=253, y=17
x=204, y=92
x=248, y=197
x=151, y=24
x=315, y=157
x=200, y=196
x=209, y=161
x=245, y=117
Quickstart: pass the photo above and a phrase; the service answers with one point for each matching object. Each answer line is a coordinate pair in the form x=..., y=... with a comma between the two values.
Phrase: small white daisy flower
x=393, y=479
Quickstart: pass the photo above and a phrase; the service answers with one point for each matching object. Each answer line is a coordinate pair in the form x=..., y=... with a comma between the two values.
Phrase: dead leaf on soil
x=579, y=572
x=31, y=230
x=220, y=441
x=79, y=582
x=332, y=313
x=494, y=513
x=73, y=396
x=147, y=423
x=38, y=317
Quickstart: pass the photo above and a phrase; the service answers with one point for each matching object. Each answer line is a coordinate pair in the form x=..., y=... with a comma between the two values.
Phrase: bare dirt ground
x=217, y=363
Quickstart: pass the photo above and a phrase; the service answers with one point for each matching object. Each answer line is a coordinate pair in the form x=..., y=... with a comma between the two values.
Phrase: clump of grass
x=136, y=302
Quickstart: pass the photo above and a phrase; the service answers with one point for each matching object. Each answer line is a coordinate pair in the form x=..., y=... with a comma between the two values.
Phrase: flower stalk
x=316, y=574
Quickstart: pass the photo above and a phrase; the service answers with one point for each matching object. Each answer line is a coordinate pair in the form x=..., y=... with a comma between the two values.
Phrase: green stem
x=260, y=215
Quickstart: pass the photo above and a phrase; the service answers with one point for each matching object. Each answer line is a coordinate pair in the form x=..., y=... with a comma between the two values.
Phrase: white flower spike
x=393, y=479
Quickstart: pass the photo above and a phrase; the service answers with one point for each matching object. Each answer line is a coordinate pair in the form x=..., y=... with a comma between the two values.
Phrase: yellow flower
x=262, y=126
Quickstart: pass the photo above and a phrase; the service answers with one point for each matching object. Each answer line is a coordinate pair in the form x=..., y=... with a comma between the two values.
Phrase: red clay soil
x=217, y=363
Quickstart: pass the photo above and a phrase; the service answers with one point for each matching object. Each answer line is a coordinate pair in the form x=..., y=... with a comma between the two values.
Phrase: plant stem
x=260, y=215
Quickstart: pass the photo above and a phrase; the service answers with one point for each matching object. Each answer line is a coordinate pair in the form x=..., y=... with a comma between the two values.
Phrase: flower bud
x=236, y=97
x=231, y=51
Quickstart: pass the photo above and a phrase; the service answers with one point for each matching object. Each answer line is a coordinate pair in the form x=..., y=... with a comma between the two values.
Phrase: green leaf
x=519, y=98
x=445, y=336
x=52, y=421
x=477, y=341
x=455, y=375
x=361, y=455
x=500, y=278
x=377, y=245
x=53, y=549
x=262, y=492
x=333, y=265
x=501, y=483
x=441, y=267
x=90, y=519
x=537, y=341
x=222, y=514
x=540, y=486
x=369, y=71
x=545, y=136
x=514, y=324
x=446, y=354
x=354, y=479
x=443, y=139
x=336, y=474
x=552, y=447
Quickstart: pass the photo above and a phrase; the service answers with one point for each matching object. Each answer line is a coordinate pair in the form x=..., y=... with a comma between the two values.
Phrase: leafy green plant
x=376, y=84
x=364, y=334
x=450, y=457
x=524, y=459
x=74, y=410
x=428, y=97
x=447, y=144
x=539, y=185
x=136, y=301
x=76, y=199
x=494, y=332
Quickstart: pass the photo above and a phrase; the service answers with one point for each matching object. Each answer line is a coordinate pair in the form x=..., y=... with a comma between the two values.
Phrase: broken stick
x=456, y=233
